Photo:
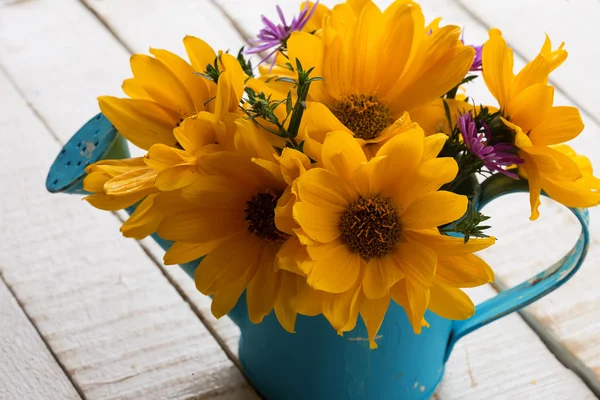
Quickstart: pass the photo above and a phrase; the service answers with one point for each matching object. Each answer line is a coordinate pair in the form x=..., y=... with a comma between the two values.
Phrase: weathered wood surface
x=576, y=22
x=503, y=360
x=28, y=370
x=107, y=312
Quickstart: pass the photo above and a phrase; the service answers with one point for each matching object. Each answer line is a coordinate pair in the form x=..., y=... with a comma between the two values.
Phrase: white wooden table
x=87, y=314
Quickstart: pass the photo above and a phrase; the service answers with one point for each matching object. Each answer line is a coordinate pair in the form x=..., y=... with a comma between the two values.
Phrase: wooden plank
x=28, y=370
x=179, y=18
x=110, y=316
x=506, y=360
x=539, y=363
x=523, y=23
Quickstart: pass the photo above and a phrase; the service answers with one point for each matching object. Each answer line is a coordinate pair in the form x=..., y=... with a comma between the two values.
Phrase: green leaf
x=286, y=79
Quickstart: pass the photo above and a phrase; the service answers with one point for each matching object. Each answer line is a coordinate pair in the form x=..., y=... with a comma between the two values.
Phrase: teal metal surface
x=96, y=140
x=534, y=288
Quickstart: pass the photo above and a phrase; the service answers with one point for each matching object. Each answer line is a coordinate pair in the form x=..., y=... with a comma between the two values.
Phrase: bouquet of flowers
x=339, y=174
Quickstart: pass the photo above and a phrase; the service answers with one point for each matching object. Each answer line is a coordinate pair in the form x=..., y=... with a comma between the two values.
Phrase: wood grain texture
x=515, y=371
x=28, y=370
x=114, y=321
x=523, y=24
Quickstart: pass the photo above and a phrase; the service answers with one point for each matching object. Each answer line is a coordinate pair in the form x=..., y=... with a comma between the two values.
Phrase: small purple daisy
x=275, y=36
x=495, y=157
x=478, y=60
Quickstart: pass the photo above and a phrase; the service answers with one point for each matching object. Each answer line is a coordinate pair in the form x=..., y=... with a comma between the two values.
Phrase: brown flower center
x=371, y=227
x=260, y=214
x=364, y=115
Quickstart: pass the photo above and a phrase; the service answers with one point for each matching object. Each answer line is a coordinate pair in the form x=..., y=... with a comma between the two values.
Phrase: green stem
x=298, y=111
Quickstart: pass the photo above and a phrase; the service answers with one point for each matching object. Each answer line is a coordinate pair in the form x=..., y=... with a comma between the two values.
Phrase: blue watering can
x=315, y=363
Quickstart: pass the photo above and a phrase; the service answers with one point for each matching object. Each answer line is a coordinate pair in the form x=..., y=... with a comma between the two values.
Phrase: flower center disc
x=364, y=115
x=371, y=227
x=260, y=214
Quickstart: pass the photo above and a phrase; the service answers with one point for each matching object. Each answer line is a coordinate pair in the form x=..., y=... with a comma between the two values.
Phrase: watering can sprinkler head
x=95, y=141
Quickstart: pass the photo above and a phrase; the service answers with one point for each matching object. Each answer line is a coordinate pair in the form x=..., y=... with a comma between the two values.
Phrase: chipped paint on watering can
x=315, y=362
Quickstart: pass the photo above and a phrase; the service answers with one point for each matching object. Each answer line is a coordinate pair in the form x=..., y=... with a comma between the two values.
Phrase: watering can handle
x=535, y=288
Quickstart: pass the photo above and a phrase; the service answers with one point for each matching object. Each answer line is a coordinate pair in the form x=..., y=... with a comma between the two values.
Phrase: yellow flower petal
x=463, y=271
x=197, y=226
x=309, y=50
x=219, y=192
x=560, y=125
x=195, y=85
x=555, y=58
x=434, y=209
x=535, y=72
x=197, y=132
x=318, y=121
x=320, y=224
x=433, y=145
x=535, y=183
x=402, y=23
x=324, y=189
x=137, y=180
x=498, y=67
x=284, y=310
x=373, y=312
x=142, y=122
x=291, y=256
x=414, y=298
x=144, y=221
x=199, y=53
x=531, y=106
x=451, y=303
x=263, y=290
x=132, y=88
x=342, y=155
x=336, y=271
x=572, y=194
x=235, y=259
x=380, y=275
x=161, y=83
x=161, y=156
x=368, y=32
x=114, y=203
x=180, y=252
x=448, y=245
x=176, y=177
x=416, y=261
x=339, y=309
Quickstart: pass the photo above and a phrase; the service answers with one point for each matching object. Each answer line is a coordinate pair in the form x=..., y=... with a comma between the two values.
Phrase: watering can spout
x=96, y=140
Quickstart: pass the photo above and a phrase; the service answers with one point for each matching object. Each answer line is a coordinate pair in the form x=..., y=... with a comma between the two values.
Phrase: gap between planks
x=47, y=366
x=190, y=282
x=559, y=87
x=149, y=246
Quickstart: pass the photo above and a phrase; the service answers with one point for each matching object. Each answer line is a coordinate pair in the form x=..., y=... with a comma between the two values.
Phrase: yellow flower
x=370, y=228
x=118, y=184
x=163, y=92
x=377, y=66
x=526, y=103
x=201, y=134
x=228, y=215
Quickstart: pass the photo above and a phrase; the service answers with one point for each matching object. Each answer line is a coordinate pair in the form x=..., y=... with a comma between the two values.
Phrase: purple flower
x=478, y=60
x=275, y=36
x=477, y=139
